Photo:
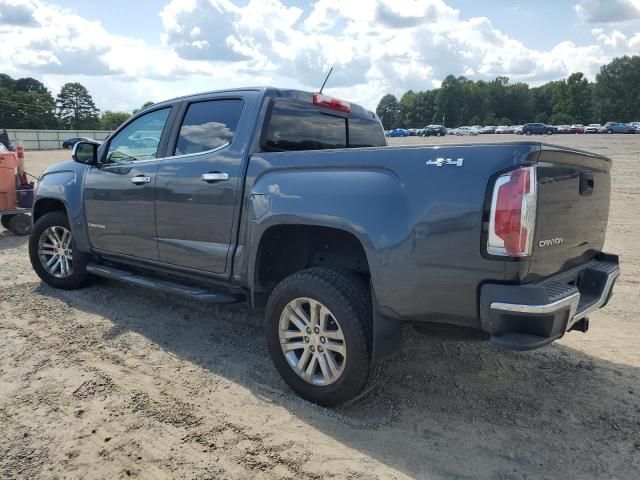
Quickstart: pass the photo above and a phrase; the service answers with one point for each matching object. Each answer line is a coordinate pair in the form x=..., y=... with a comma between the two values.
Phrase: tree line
x=27, y=103
x=613, y=96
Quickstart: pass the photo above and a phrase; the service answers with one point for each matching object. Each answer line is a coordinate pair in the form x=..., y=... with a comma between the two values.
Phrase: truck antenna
x=325, y=79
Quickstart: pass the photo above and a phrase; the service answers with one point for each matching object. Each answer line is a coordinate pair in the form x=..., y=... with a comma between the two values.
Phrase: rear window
x=294, y=125
x=365, y=133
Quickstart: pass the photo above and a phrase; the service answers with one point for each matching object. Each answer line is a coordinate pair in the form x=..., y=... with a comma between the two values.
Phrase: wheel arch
x=60, y=189
x=386, y=339
x=43, y=206
x=286, y=247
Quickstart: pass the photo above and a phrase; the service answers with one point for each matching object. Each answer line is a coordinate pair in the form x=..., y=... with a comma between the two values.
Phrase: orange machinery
x=8, y=163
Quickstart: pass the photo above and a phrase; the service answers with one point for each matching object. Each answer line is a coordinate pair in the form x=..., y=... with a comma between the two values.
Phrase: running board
x=195, y=293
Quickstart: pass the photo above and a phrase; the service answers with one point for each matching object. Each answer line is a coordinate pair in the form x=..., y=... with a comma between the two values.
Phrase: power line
x=31, y=105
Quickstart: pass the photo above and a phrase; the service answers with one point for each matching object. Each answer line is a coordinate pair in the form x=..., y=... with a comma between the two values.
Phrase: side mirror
x=85, y=152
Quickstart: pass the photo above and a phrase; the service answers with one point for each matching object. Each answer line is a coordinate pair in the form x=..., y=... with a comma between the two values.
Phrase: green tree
x=617, y=90
x=111, y=120
x=410, y=111
x=562, y=119
x=25, y=103
x=144, y=105
x=7, y=82
x=450, y=102
x=580, y=92
x=76, y=109
x=388, y=111
x=561, y=101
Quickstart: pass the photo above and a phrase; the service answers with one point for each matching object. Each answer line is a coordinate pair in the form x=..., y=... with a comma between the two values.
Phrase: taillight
x=330, y=102
x=513, y=213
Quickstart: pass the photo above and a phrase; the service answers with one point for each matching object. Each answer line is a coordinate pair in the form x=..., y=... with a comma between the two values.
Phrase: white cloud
x=375, y=47
x=17, y=13
x=608, y=11
x=617, y=41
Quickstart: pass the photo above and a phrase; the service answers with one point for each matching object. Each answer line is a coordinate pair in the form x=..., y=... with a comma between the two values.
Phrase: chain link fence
x=51, y=139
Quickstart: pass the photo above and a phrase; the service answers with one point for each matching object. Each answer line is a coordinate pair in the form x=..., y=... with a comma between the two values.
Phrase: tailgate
x=573, y=209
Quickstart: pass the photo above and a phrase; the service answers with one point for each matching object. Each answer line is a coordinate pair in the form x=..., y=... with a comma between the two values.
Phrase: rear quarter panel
x=420, y=225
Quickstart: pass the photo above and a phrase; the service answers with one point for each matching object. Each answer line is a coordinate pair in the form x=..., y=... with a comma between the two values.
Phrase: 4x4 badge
x=438, y=162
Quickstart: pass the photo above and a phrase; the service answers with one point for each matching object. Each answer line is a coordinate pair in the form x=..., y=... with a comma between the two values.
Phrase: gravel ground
x=114, y=382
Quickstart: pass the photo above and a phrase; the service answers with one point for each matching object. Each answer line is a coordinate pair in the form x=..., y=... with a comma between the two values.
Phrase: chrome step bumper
x=529, y=316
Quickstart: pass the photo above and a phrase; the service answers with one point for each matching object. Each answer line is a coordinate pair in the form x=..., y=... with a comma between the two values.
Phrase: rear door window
x=208, y=125
x=299, y=126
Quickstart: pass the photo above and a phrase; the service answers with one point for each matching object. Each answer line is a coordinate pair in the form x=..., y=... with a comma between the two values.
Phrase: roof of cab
x=279, y=92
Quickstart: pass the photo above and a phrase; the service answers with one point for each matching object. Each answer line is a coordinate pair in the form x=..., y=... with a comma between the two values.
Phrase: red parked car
x=576, y=129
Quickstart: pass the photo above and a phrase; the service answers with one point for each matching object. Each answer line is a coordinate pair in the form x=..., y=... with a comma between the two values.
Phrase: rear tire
x=78, y=276
x=20, y=224
x=5, y=220
x=345, y=300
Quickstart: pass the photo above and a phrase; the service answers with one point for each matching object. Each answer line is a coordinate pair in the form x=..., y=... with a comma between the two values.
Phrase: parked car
x=594, y=128
x=476, y=230
x=614, y=127
x=503, y=129
x=70, y=142
x=487, y=129
x=398, y=132
x=576, y=128
x=538, y=129
x=413, y=132
x=517, y=129
x=563, y=128
x=433, y=130
x=466, y=131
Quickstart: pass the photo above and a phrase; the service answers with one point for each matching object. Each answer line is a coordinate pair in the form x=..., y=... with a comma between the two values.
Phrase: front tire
x=54, y=255
x=318, y=331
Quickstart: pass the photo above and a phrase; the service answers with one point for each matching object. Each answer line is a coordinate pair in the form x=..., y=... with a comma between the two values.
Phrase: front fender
x=367, y=202
x=63, y=182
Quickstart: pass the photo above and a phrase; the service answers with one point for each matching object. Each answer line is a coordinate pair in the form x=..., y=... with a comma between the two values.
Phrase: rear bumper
x=524, y=317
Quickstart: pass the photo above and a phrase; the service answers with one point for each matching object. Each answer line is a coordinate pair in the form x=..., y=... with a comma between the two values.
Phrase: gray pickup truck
x=293, y=202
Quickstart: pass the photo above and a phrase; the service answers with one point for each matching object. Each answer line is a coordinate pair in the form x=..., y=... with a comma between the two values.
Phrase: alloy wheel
x=55, y=252
x=312, y=341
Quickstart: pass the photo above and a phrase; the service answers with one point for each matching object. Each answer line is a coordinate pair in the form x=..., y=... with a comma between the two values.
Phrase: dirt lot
x=114, y=382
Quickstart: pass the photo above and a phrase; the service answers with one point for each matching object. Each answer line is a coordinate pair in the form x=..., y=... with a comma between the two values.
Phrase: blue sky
x=127, y=52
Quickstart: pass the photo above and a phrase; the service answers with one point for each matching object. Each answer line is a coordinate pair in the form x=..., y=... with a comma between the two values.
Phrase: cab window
x=208, y=125
x=140, y=139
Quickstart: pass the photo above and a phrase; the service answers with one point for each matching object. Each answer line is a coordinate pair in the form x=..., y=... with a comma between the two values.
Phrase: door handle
x=215, y=177
x=140, y=179
x=586, y=183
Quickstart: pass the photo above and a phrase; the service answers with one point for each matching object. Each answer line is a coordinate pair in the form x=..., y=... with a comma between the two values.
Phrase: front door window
x=140, y=139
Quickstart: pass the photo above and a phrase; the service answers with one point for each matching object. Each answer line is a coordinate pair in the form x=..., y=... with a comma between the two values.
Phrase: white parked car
x=466, y=131
x=502, y=129
x=517, y=129
x=594, y=128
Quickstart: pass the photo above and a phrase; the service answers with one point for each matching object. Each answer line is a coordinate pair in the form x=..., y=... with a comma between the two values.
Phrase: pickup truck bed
x=294, y=202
